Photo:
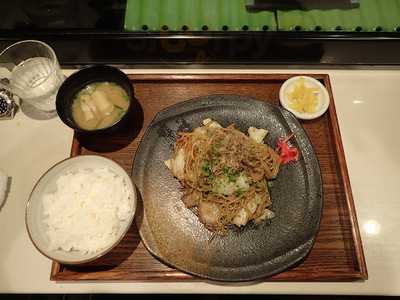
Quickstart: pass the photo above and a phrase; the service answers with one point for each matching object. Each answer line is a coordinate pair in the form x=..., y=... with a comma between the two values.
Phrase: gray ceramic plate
x=173, y=234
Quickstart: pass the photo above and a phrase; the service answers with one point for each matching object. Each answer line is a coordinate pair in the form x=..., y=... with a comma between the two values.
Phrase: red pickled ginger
x=287, y=152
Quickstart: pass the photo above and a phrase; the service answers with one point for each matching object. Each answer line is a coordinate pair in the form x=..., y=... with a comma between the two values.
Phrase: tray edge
x=346, y=182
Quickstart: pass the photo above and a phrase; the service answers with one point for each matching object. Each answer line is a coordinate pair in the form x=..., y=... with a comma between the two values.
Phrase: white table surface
x=367, y=104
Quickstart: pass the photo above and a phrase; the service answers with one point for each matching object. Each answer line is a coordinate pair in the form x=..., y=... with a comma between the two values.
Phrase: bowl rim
x=87, y=68
x=305, y=116
x=105, y=250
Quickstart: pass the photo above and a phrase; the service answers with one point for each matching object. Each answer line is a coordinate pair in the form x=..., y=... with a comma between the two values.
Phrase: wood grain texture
x=337, y=254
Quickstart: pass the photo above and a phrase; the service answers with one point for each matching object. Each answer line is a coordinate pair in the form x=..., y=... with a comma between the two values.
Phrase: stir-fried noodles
x=224, y=174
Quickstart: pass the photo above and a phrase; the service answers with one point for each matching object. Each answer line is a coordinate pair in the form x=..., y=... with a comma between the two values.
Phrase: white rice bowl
x=80, y=209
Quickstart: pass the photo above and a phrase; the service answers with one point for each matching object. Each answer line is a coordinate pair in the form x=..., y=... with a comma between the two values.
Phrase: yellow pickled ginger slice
x=303, y=99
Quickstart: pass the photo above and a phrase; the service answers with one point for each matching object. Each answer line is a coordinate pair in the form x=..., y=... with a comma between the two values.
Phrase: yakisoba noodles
x=224, y=174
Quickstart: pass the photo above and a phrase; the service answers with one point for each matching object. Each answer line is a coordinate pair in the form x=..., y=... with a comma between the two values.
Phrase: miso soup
x=99, y=105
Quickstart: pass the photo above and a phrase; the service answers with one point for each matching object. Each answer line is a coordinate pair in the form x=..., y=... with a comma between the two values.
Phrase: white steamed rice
x=87, y=210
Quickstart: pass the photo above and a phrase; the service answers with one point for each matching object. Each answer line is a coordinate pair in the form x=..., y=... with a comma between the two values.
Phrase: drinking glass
x=34, y=73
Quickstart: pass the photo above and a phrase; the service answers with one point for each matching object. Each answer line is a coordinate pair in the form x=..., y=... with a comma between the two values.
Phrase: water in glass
x=38, y=80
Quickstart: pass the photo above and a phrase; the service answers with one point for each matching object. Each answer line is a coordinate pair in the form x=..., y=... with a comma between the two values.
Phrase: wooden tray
x=337, y=254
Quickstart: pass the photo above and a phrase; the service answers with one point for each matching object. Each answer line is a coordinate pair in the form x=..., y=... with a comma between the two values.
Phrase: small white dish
x=323, y=97
x=47, y=183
